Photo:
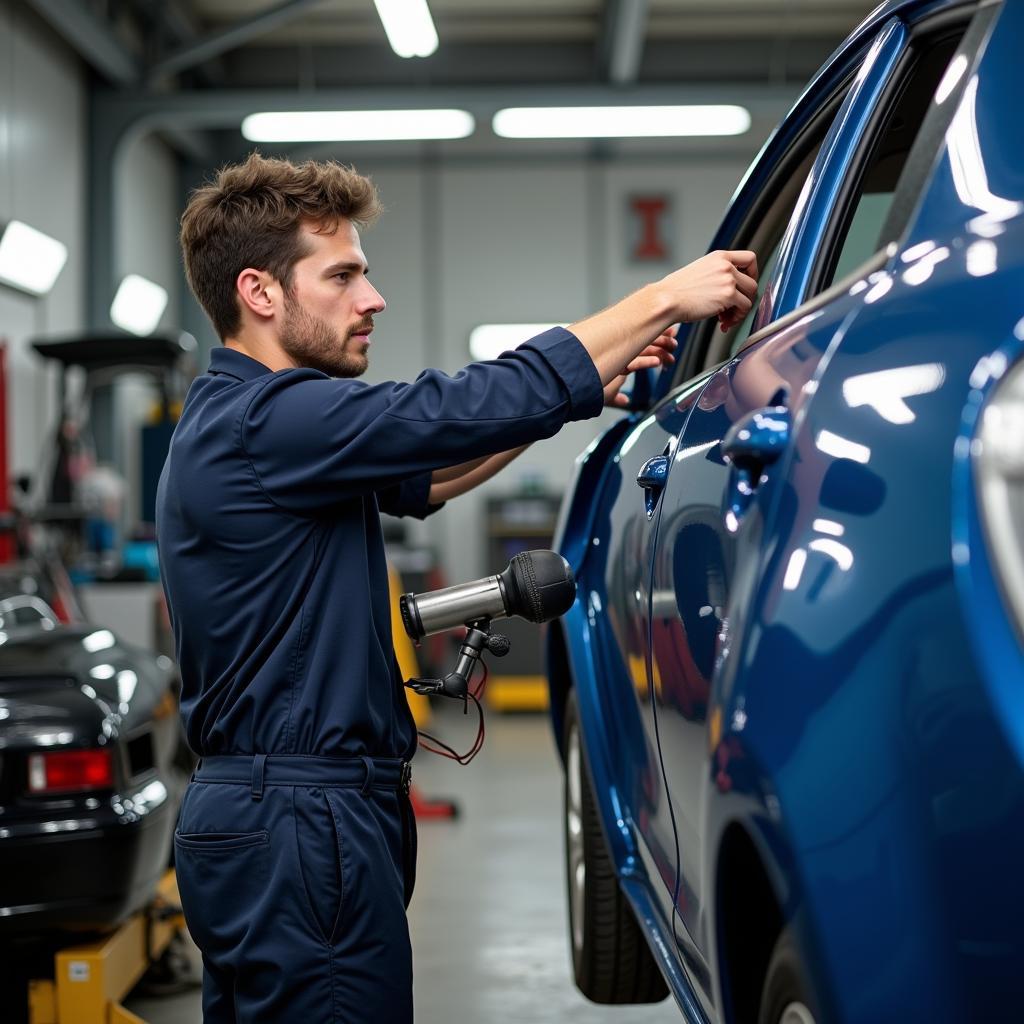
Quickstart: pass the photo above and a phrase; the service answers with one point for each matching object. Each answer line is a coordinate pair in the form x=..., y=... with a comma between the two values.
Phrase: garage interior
x=112, y=111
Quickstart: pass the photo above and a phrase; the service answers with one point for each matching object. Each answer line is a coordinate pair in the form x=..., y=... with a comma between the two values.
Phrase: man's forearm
x=616, y=334
x=721, y=284
x=448, y=473
x=455, y=480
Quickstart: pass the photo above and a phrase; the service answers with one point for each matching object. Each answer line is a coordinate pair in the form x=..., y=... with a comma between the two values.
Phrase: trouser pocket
x=409, y=846
x=221, y=877
x=320, y=854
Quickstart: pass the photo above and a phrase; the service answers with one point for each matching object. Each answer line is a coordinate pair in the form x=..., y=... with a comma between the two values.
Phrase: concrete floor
x=488, y=919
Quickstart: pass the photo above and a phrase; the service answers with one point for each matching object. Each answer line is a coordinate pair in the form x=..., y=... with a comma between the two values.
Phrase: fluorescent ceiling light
x=29, y=259
x=619, y=122
x=409, y=27
x=357, y=125
x=488, y=341
x=138, y=305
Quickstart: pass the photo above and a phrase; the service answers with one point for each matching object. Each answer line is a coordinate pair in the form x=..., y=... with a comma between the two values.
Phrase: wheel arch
x=749, y=918
x=559, y=675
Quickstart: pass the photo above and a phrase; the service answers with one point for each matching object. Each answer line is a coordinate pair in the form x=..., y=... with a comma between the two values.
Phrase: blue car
x=789, y=696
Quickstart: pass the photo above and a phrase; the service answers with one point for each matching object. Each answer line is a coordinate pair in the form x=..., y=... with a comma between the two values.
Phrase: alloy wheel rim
x=577, y=868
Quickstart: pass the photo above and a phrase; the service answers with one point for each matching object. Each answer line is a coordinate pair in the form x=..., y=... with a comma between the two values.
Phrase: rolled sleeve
x=565, y=354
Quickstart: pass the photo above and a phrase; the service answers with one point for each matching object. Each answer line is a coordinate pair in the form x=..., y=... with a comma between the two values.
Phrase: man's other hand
x=658, y=354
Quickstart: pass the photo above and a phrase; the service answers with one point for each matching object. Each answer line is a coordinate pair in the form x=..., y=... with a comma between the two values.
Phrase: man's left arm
x=451, y=481
x=455, y=480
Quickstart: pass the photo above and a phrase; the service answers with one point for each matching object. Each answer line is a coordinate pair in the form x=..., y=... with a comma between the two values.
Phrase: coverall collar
x=236, y=364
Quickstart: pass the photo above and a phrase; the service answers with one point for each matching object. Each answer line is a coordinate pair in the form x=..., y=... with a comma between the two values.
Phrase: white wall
x=465, y=244
x=42, y=182
x=146, y=212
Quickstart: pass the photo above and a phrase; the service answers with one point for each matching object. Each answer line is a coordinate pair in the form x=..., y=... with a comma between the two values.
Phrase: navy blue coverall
x=295, y=847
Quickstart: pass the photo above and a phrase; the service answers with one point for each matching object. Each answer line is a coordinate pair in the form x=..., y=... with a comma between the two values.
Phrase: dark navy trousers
x=295, y=873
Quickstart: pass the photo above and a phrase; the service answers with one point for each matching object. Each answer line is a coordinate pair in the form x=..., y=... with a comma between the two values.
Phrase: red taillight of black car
x=70, y=771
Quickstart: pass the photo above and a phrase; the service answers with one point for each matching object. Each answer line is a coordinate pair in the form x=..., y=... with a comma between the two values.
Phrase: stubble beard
x=314, y=343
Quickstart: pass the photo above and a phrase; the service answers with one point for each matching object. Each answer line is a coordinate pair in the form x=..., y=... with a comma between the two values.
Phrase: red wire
x=442, y=749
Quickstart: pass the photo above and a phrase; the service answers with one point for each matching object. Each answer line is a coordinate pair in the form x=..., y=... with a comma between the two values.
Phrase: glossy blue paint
x=750, y=446
x=652, y=477
x=995, y=639
x=806, y=644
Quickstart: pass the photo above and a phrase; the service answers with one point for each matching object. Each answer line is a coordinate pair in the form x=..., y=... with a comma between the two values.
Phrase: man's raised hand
x=721, y=284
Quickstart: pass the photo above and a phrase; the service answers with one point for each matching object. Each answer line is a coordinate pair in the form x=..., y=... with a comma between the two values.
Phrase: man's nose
x=371, y=301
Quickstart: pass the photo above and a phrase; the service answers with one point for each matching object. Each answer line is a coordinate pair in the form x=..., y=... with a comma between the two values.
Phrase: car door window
x=739, y=334
x=863, y=225
x=763, y=234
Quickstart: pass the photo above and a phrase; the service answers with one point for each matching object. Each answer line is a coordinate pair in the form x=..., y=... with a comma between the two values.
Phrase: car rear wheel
x=610, y=959
x=786, y=998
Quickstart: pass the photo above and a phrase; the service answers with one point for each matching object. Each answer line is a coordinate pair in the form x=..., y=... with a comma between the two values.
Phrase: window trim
x=877, y=262
x=973, y=21
x=871, y=265
x=925, y=150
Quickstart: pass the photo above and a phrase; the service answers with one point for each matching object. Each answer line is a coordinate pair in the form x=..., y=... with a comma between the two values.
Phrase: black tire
x=786, y=997
x=610, y=958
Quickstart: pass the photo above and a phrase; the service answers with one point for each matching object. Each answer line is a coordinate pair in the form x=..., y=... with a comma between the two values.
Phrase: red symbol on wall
x=650, y=214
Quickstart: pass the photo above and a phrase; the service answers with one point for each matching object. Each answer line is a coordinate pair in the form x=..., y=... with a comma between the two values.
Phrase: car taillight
x=70, y=771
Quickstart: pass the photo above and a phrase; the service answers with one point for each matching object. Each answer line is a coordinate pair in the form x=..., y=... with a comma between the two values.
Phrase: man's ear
x=259, y=292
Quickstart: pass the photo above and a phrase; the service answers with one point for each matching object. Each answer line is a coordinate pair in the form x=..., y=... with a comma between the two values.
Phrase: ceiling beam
x=622, y=40
x=191, y=143
x=91, y=38
x=181, y=25
x=216, y=43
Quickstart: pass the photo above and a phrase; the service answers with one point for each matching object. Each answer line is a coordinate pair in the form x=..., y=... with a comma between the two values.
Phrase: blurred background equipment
x=83, y=508
x=515, y=523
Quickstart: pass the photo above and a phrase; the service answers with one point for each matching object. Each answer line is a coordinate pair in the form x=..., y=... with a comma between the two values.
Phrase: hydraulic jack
x=90, y=980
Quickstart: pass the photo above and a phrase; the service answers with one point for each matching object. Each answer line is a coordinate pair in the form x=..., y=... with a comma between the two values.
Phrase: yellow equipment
x=90, y=980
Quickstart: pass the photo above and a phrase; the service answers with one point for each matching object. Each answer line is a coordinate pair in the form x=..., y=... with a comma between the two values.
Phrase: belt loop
x=259, y=763
x=370, y=772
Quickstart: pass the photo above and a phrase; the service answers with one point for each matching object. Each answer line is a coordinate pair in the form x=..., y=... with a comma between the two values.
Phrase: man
x=295, y=849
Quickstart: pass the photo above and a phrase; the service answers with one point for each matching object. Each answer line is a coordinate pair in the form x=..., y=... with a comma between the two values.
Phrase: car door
x=720, y=486
x=623, y=602
x=622, y=545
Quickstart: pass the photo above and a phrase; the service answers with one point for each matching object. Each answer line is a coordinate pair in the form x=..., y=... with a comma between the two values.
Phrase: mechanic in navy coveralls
x=295, y=848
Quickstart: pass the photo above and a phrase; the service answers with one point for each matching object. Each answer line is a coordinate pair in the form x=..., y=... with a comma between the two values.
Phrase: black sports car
x=92, y=765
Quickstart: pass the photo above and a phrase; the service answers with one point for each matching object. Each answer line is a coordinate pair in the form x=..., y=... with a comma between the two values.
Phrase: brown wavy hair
x=250, y=215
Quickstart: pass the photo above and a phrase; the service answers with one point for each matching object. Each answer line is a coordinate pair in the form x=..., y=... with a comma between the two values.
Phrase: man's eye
x=343, y=276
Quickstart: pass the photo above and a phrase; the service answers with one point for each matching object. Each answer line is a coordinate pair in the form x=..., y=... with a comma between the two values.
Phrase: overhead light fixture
x=488, y=341
x=357, y=125
x=409, y=26
x=620, y=122
x=29, y=259
x=138, y=305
